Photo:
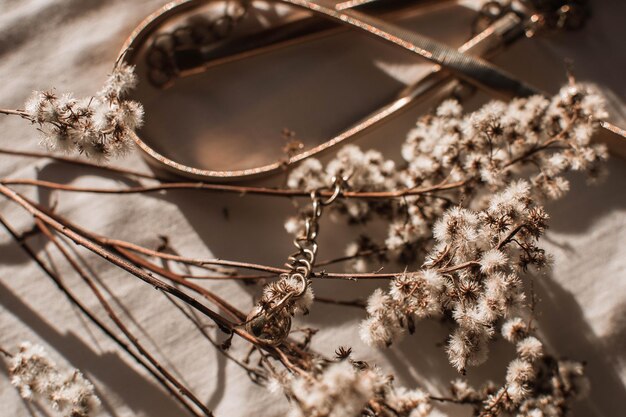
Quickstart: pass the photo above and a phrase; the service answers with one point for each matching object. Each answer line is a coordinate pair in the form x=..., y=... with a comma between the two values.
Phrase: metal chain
x=271, y=325
x=302, y=261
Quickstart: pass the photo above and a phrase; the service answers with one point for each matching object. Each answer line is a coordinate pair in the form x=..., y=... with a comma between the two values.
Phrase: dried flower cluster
x=35, y=375
x=472, y=273
x=535, y=385
x=471, y=216
x=100, y=127
x=465, y=155
x=350, y=389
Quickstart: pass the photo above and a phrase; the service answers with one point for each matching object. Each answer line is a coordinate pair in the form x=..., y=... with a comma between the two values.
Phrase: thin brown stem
x=355, y=277
x=349, y=303
x=452, y=400
x=218, y=301
x=6, y=352
x=362, y=254
x=190, y=261
x=511, y=235
x=80, y=162
x=234, y=277
x=559, y=137
x=464, y=265
x=487, y=412
x=10, y=112
x=242, y=190
x=237, y=264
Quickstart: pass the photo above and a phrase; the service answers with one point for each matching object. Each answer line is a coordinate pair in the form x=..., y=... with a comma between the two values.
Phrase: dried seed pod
x=270, y=327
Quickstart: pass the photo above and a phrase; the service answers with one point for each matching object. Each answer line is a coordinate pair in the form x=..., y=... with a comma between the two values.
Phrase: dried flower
x=35, y=375
x=491, y=260
x=467, y=348
x=461, y=390
x=307, y=176
x=412, y=403
x=519, y=371
x=379, y=331
x=101, y=127
x=377, y=302
x=340, y=391
x=514, y=329
x=275, y=292
x=530, y=348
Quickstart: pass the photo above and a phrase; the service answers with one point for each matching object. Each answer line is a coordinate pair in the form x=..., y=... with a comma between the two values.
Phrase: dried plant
x=464, y=219
x=101, y=126
x=35, y=375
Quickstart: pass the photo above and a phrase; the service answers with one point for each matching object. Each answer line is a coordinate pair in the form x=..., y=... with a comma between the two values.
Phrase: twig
x=234, y=277
x=242, y=190
x=464, y=265
x=362, y=254
x=452, y=400
x=223, y=304
x=6, y=352
x=80, y=162
x=203, y=331
x=237, y=264
x=511, y=235
x=18, y=112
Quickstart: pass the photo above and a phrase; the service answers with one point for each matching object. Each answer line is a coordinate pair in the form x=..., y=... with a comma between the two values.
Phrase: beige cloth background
x=71, y=44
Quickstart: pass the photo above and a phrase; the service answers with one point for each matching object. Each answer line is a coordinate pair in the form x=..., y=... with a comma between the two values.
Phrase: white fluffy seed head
x=517, y=392
x=99, y=127
x=461, y=390
x=303, y=304
x=415, y=402
x=514, y=330
x=379, y=332
x=340, y=391
x=276, y=291
x=131, y=114
x=59, y=140
x=519, y=371
x=467, y=348
x=449, y=108
x=492, y=260
x=121, y=80
x=308, y=175
x=377, y=302
x=530, y=348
